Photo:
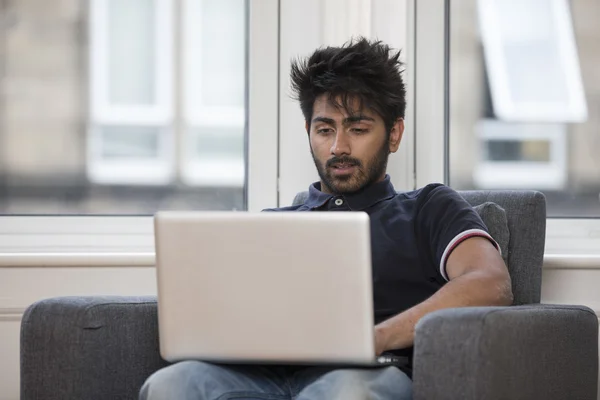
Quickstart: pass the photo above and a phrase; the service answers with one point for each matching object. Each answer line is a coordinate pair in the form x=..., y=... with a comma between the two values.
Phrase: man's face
x=350, y=150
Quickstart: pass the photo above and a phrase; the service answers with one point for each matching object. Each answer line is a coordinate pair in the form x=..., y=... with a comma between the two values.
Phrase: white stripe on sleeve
x=458, y=239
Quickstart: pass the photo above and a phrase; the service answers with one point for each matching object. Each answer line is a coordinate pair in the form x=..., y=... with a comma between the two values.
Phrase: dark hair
x=360, y=69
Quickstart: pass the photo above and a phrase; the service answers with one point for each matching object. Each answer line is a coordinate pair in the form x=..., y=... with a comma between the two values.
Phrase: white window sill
x=572, y=261
x=34, y=260
x=104, y=241
x=147, y=259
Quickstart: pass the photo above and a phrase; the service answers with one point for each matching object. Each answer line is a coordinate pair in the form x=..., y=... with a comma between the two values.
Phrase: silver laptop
x=273, y=287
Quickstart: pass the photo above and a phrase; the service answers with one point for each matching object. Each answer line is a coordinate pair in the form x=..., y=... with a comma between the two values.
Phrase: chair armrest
x=523, y=352
x=88, y=347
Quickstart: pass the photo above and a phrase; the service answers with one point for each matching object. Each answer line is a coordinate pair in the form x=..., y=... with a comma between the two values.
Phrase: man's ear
x=396, y=135
x=307, y=127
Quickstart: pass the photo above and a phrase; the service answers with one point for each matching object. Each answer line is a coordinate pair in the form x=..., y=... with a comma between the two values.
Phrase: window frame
x=105, y=240
x=56, y=238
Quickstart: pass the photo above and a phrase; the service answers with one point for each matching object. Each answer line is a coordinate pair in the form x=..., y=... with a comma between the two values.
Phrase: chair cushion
x=494, y=218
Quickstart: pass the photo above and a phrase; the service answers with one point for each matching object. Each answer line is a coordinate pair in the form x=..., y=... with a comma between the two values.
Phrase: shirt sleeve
x=445, y=220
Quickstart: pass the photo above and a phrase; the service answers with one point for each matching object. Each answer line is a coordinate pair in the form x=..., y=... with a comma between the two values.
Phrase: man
x=430, y=249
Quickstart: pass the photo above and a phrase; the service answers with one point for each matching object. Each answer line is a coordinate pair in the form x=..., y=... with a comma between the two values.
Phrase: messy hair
x=363, y=70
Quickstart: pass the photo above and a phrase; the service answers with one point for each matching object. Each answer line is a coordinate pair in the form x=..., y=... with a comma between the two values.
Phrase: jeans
x=200, y=380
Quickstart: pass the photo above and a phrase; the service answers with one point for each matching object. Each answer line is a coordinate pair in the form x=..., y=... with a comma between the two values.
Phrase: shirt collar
x=356, y=201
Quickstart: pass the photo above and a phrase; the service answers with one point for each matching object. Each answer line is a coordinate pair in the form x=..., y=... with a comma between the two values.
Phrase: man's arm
x=477, y=277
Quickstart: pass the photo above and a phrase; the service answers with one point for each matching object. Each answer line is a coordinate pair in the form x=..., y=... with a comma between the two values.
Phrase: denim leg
x=354, y=384
x=199, y=380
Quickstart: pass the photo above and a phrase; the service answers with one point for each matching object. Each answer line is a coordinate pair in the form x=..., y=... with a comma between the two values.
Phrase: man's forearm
x=473, y=289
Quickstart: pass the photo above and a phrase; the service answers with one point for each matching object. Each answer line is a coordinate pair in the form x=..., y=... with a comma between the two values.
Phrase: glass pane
x=215, y=92
x=129, y=143
x=55, y=160
x=223, y=60
x=131, y=32
x=216, y=46
x=215, y=154
x=526, y=44
x=529, y=44
x=550, y=153
x=218, y=142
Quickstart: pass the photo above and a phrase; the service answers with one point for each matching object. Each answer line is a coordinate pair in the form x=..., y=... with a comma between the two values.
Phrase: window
x=520, y=155
x=214, y=113
x=524, y=100
x=149, y=111
x=526, y=45
x=131, y=129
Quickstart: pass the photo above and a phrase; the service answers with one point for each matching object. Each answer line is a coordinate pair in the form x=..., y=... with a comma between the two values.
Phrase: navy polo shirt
x=412, y=235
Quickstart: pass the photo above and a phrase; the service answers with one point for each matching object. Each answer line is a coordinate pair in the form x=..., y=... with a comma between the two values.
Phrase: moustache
x=343, y=160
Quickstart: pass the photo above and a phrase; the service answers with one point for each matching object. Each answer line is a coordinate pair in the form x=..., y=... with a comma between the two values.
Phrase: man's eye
x=324, y=130
x=359, y=130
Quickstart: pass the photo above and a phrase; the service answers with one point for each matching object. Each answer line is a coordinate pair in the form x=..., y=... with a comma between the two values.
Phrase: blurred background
x=525, y=99
x=126, y=107
x=121, y=106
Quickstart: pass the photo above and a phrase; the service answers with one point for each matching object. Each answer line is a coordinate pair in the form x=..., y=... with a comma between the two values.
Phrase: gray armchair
x=105, y=347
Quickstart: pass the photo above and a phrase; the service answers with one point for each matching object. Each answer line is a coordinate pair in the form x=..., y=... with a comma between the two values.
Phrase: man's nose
x=341, y=145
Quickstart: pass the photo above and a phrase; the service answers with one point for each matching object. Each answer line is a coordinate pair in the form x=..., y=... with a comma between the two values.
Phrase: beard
x=364, y=174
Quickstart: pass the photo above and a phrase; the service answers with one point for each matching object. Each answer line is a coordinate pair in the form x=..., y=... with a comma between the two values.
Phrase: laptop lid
x=269, y=287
